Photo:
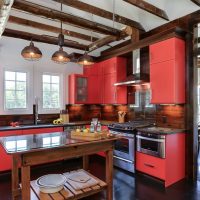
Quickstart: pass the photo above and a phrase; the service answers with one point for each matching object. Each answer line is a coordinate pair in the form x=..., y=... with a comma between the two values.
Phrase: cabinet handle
x=148, y=165
x=115, y=96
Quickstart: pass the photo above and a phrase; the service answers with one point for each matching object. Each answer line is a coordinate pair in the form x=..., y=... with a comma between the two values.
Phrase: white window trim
x=61, y=88
x=28, y=109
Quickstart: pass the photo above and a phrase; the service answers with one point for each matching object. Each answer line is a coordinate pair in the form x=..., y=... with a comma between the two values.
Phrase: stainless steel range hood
x=137, y=77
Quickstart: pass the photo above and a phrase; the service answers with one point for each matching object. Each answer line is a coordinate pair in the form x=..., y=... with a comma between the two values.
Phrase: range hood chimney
x=137, y=77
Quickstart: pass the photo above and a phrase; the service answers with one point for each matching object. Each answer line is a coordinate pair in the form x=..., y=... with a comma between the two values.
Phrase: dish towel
x=80, y=179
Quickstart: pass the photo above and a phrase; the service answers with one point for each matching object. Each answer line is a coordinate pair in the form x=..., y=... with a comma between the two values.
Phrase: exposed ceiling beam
x=101, y=12
x=149, y=8
x=197, y=2
x=41, y=38
x=65, y=17
x=102, y=42
x=45, y=27
x=140, y=44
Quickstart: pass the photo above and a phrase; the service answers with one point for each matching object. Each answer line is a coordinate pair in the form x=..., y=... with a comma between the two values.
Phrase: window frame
x=28, y=97
x=51, y=110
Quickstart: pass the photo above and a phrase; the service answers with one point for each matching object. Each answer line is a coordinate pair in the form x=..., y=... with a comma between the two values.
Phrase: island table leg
x=86, y=162
x=109, y=174
x=15, y=178
x=25, y=178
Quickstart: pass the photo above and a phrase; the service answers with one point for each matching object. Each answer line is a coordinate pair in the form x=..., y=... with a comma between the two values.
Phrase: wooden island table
x=29, y=150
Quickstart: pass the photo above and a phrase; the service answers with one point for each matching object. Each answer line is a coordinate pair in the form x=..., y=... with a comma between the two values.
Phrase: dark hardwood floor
x=126, y=186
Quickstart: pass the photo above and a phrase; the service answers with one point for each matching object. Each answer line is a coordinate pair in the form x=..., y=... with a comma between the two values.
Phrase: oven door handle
x=123, y=159
x=150, y=139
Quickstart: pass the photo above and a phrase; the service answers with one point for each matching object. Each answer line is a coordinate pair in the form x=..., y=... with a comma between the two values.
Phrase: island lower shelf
x=68, y=192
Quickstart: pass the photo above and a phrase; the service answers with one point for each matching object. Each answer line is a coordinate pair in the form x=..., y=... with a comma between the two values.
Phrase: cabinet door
x=162, y=78
x=94, y=91
x=162, y=51
x=121, y=95
x=167, y=50
x=78, y=89
x=109, y=66
x=6, y=160
x=150, y=165
x=109, y=92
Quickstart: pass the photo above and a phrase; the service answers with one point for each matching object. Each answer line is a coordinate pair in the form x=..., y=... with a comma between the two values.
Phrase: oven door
x=124, y=148
x=151, y=146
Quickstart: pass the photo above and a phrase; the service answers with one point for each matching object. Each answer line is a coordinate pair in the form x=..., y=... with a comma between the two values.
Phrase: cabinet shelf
x=67, y=192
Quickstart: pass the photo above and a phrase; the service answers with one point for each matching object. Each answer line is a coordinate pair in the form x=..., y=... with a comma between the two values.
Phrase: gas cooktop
x=130, y=126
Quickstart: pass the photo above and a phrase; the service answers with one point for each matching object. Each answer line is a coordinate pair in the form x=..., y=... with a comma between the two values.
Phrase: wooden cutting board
x=89, y=136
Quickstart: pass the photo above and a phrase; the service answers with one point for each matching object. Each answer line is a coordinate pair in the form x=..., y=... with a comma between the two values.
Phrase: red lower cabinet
x=42, y=130
x=172, y=168
x=6, y=161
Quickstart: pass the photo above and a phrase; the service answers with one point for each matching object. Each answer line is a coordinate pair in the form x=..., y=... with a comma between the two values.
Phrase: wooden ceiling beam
x=197, y=2
x=149, y=8
x=100, y=12
x=41, y=38
x=65, y=17
x=140, y=44
x=45, y=27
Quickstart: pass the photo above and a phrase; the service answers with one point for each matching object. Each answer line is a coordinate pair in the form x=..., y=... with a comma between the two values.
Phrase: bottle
x=92, y=127
x=99, y=127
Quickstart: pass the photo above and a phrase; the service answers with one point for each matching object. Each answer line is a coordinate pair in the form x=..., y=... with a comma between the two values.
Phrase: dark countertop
x=32, y=126
x=160, y=130
x=35, y=142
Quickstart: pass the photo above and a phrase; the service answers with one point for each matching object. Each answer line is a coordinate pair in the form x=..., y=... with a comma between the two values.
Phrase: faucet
x=35, y=111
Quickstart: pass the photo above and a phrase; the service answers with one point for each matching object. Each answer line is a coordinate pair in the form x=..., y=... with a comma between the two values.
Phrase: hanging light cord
x=113, y=13
x=61, y=25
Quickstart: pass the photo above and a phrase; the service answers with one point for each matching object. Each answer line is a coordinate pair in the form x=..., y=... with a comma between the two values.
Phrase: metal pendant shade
x=31, y=53
x=60, y=56
x=85, y=60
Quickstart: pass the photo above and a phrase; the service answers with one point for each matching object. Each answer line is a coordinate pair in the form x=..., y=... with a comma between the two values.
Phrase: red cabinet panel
x=166, y=50
x=42, y=130
x=150, y=165
x=6, y=160
x=167, y=72
x=110, y=65
x=78, y=89
x=172, y=168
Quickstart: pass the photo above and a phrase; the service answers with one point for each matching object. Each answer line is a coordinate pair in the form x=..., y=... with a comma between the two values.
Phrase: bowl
x=51, y=183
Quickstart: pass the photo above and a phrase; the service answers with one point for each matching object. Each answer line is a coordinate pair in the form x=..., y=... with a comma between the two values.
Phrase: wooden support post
x=25, y=178
x=109, y=174
x=15, y=178
x=86, y=162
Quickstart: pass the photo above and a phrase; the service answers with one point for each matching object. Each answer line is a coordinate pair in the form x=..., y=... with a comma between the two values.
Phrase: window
x=51, y=91
x=15, y=90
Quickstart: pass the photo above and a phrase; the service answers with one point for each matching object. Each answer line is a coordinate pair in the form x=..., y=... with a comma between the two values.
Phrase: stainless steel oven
x=124, y=151
x=152, y=144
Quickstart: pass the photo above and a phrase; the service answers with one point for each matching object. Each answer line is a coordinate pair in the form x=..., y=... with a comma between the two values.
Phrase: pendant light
x=31, y=52
x=86, y=59
x=60, y=56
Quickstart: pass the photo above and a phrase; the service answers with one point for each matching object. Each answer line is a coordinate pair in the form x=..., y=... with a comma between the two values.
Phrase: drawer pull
x=148, y=165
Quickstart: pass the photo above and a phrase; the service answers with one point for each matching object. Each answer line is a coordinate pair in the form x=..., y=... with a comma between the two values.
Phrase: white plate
x=51, y=180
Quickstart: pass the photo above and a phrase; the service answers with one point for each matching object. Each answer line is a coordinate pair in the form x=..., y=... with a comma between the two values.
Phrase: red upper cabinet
x=78, y=89
x=167, y=71
x=114, y=70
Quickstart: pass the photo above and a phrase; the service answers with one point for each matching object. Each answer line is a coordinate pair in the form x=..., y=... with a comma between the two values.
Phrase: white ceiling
x=173, y=8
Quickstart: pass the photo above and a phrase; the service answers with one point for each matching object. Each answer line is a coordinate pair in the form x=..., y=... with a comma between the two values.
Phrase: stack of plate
x=51, y=183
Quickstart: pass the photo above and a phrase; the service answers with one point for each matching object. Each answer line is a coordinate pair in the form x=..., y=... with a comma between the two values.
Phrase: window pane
x=10, y=85
x=21, y=76
x=46, y=87
x=51, y=92
x=21, y=85
x=15, y=90
x=10, y=95
x=55, y=87
x=55, y=79
x=9, y=75
x=46, y=78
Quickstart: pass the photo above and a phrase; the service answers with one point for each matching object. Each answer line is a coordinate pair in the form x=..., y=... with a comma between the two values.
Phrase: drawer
x=150, y=165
